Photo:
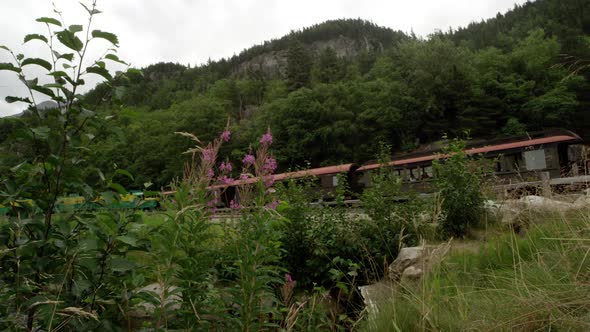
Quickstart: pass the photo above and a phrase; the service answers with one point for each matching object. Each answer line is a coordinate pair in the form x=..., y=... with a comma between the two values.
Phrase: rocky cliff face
x=274, y=64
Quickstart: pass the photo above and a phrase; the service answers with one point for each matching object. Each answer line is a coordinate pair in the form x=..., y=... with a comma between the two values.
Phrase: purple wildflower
x=225, y=135
x=226, y=180
x=234, y=206
x=273, y=206
x=248, y=160
x=208, y=154
x=244, y=176
x=288, y=278
x=210, y=173
x=269, y=180
x=270, y=165
x=212, y=203
x=266, y=139
x=225, y=167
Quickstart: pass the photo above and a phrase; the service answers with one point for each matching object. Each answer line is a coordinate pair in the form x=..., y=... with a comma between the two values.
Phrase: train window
x=535, y=159
x=511, y=162
x=413, y=172
x=334, y=180
x=427, y=172
x=405, y=175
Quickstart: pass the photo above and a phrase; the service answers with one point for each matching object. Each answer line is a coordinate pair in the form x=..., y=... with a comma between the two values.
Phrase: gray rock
x=412, y=273
x=406, y=257
x=418, y=260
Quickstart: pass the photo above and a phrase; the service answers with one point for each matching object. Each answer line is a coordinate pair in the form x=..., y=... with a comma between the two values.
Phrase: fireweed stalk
x=199, y=172
x=260, y=166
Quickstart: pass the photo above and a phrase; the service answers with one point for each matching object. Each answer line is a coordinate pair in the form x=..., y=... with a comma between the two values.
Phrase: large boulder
x=406, y=258
x=375, y=294
x=409, y=266
x=413, y=262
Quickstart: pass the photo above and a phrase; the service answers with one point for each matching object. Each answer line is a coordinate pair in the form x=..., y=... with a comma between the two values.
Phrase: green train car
x=132, y=200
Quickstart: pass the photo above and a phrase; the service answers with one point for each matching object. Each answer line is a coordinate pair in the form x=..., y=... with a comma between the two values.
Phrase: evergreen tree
x=330, y=68
x=298, y=66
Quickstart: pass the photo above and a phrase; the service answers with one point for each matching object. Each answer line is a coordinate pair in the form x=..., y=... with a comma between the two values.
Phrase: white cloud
x=190, y=32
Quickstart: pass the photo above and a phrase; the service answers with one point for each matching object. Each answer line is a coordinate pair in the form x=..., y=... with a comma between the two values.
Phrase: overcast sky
x=192, y=31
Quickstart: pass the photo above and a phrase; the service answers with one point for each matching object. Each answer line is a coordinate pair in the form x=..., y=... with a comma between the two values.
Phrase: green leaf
x=9, y=66
x=69, y=40
x=88, y=244
x=120, y=264
x=59, y=99
x=101, y=64
x=118, y=188
x=41, y=132
x=36, y=61
x=35, y=36
x=67, y=56
x=100, y=174
x=75, y=28
x=91, y=11
x=4, y=48
x=86, y=113
x=100, y=71
x=115, y=58
x=53, y=85
x=12, y=99
x=154, y=222
x=134, y=71
x=48, y=20
x=43, y=90
x=124, y=173
x=28, y=83
x=58, y=73
x=106, y=35
x=128, y=240
x=19, y=57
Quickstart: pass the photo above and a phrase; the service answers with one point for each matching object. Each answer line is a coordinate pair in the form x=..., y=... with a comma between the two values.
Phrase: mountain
x=337, y=91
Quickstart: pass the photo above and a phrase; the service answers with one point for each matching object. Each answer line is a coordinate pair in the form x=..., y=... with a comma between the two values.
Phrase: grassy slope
x=536, y=281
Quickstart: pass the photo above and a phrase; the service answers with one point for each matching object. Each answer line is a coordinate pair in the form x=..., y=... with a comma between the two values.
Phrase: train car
x=18, y=204
x=326, y=178
x=71, y=203
x=135, y=199
x=535, y=157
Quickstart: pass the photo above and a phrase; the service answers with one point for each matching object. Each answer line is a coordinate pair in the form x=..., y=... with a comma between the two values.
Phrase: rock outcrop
x=273, y=64
x=409, y=266
x=413, y=262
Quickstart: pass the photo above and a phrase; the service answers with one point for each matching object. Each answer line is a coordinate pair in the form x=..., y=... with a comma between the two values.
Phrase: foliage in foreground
x=459, y=182
x=536, y=282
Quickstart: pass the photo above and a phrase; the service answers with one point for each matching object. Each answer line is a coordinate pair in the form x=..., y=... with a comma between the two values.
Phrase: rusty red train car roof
x=291, y=175
x=478, y=150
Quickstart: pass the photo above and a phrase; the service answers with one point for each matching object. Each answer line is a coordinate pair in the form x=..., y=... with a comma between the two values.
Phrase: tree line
x=503, y=76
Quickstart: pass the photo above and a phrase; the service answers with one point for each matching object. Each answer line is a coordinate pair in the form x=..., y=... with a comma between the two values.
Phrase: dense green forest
x=330, y=92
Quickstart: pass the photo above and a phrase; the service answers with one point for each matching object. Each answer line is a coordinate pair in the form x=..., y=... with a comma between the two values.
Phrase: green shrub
x=394, y=213
x=459, y=183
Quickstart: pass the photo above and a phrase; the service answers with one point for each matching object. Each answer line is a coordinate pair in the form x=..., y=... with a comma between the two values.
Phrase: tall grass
x=539, y=280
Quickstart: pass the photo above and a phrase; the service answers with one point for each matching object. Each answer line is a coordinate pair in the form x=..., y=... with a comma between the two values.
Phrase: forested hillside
x=331, y=92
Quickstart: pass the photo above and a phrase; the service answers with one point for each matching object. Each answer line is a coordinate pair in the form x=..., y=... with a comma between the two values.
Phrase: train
x=135, y=199
x=554, y=158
